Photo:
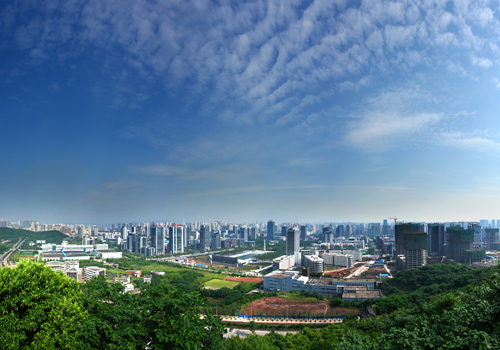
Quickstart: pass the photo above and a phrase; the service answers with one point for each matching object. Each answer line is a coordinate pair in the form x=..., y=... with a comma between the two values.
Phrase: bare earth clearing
x=276, y=306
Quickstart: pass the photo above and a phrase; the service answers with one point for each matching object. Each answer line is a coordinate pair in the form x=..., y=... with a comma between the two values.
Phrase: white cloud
x=160, y=170
x=481, y=62
x=261, y=56
x=378, y=130
x=472, y=141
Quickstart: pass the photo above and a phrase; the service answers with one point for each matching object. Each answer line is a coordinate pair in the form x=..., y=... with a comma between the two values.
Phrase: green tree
x=39, y=308
x=160, y=317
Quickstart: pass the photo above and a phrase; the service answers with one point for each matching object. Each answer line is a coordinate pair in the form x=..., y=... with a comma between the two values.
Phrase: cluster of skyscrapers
x=414, y=243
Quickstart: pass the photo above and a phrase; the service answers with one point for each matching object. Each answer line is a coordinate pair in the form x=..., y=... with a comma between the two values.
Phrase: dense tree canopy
x=43, y=309
x=39, y=308
x=160, y=317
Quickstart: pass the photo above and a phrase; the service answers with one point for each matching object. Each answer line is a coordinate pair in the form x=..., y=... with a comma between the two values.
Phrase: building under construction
x=458, y=240
x=490, y=236
x=474, y=255
x=411, y=245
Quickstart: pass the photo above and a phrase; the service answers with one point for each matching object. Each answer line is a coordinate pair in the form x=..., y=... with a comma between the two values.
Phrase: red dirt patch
x=276, y=306
x=244, y=279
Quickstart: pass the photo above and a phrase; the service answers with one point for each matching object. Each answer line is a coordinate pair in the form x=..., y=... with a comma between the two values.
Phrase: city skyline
x=295, y=111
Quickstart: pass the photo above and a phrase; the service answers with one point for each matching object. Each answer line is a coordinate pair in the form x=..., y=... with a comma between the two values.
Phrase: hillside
x=13, y=235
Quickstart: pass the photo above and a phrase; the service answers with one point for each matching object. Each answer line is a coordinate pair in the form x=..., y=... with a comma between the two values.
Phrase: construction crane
x=395, y=220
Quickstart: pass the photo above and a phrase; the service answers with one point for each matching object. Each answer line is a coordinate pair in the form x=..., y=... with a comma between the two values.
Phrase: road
x=5, y=256
x=242, y=333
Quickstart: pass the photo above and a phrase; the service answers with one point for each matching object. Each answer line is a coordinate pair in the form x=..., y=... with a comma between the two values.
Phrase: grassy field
x=296, y=297
x=216, y=283
x=331, y=268
x=146, y=266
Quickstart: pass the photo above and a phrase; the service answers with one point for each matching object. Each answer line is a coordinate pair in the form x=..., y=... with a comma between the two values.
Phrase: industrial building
x=91, y=271
x=337, y=259
x=284, y=262
x=314, y=263
x=289, y=281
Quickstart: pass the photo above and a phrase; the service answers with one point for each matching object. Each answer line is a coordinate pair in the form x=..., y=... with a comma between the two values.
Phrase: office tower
x=176, y=239
x=283, y=231
x=253, y=233
x=270, y=230
x=436, y=239
x=243, y=233
x=215, y=244
x=158, y=239
x=292, y=240
x=124, y=232
x=375, y=229
x=303, y=232
x=204, y=237
x=81, y=231
x=348, y=230
x=131, y=243
x=458, y=240
x=339, y=231
x=490, y=236
x=327, y=234
x=142, y=244
x=385, y=228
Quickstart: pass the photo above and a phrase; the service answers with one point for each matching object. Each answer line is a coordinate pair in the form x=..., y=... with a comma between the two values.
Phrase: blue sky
x=243, y=111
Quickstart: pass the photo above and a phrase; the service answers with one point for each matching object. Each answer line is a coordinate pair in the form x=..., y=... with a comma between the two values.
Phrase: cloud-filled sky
x=127, y=110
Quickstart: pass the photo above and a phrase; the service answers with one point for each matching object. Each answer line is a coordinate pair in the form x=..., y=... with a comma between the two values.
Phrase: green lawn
x=215, y=283
x=296, y=296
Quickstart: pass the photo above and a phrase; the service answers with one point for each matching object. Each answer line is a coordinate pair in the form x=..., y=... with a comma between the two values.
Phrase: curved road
x=5, y=256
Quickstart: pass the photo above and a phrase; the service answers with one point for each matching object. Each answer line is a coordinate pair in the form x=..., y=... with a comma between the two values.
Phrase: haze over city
x=296, y=111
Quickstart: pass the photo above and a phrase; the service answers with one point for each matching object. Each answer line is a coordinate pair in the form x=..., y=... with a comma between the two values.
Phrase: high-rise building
x=385, y=228
x=484, y=223
x=411, y=243
x=374, y=229
x=436, y=239
x=176, y=239
x=158, y=239
x=303, y=232
x=215, y=244
x=131, y=243
x=252, y=233
x=490, y=236
x=142, y=244
x=415, y=249
x=204, y=237
x=292, y=240
x=124, y=232
x=328, y=234
x=339, y=231
x=270, y=230
x=400, y=229
x=458, y=240
x=243, y=233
